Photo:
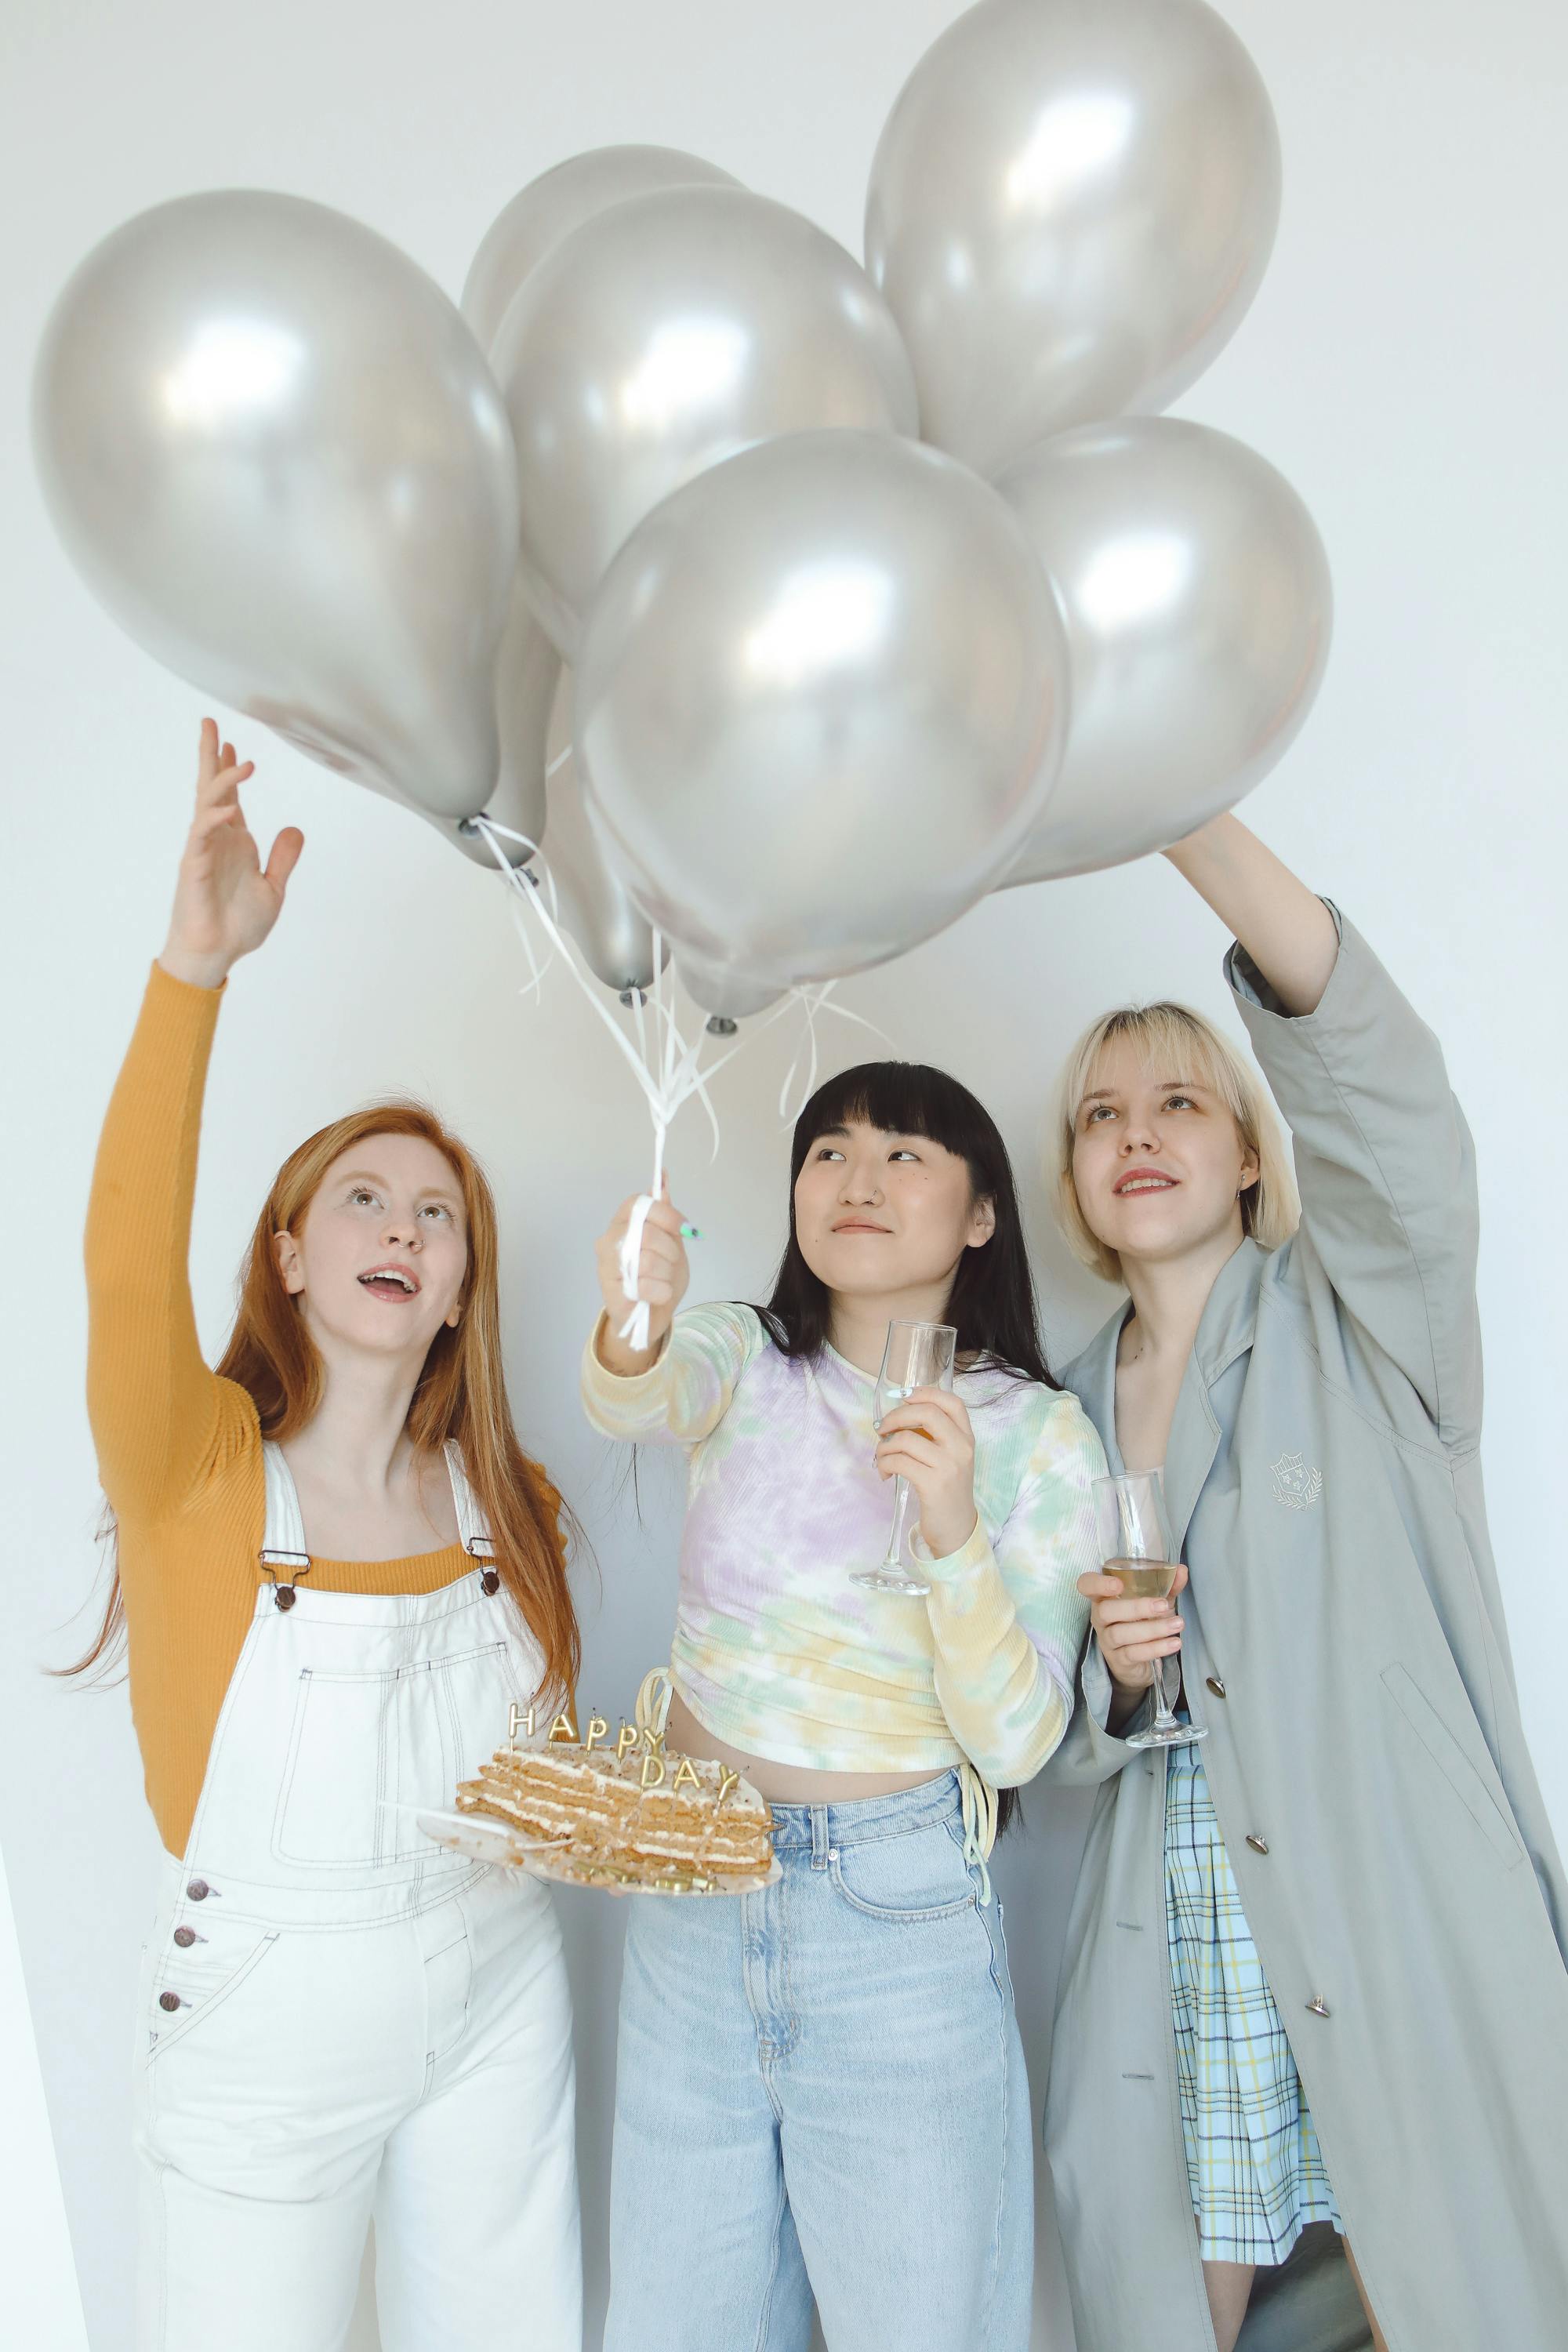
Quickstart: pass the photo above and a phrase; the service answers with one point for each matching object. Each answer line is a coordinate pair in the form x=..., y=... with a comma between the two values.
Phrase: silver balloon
x=1070, y=209
x=1198, y=606
x=276, y=454
x=595, y=909
x=661, y=337
x=527, y=669
x=727, y=995
x=559, y=201
x=817, y=703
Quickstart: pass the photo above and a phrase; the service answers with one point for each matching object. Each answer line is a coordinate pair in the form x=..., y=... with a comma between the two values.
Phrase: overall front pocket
x=917, y=1874
x=364, y=1748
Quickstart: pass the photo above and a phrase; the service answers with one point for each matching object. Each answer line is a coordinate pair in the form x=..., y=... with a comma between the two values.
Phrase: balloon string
x=814, y=997
x=664, y=1062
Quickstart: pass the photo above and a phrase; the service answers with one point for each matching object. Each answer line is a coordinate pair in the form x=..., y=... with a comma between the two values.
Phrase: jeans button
x=1258, y=1845
x=198, y=1890
x=1216, y=1685
x=168, y=2001
x=185, y=1938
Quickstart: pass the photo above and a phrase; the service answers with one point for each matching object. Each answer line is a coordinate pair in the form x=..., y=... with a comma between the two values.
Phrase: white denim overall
x=338, y=2021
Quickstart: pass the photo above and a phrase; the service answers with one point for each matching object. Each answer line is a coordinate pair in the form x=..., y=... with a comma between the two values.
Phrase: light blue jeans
x=821, y=2092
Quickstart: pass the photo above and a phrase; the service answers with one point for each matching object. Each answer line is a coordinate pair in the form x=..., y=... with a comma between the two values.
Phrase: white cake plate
x=487, y=1839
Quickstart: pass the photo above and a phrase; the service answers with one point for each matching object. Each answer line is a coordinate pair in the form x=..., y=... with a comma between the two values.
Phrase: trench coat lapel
x=1224, y=1332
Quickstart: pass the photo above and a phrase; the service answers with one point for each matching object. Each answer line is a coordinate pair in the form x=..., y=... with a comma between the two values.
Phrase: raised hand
x=663, y=1274
x=226, y=902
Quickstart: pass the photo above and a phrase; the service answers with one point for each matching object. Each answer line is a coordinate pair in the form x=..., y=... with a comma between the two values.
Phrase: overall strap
x=284, y=1558
x=472, y=1529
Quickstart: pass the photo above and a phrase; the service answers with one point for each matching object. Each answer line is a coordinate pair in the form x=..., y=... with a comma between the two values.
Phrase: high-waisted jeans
x=821, y=2095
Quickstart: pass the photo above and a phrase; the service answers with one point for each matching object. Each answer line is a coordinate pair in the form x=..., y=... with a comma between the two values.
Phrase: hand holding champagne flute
x=917, y=1356
x=1135, y=1631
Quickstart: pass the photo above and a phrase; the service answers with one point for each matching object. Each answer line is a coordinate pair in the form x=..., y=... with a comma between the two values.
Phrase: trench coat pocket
x=1453, y=1763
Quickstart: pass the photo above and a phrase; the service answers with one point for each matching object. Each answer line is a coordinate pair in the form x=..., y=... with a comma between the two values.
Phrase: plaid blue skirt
x=1253, y=2164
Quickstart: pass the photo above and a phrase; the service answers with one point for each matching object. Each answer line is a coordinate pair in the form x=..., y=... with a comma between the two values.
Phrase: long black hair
x=993, y=1304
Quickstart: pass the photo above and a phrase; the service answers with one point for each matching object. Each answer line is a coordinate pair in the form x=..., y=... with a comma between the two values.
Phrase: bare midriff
x=784, y=1784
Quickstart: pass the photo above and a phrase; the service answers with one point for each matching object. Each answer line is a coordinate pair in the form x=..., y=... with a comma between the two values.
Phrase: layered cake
x=628, y=1819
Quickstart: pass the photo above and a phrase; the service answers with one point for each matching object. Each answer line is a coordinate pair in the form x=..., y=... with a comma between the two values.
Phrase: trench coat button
x=1216, y=1685
x=185, y=1938
x=1317, y=2005
x=168, y=2001
x=1258, y=1845
x=198, y=1890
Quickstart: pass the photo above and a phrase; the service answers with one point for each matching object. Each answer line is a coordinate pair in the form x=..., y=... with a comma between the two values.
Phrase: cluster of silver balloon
x=792, y=605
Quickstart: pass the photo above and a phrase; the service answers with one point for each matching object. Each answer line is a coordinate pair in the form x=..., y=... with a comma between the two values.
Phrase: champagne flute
x=917, y=1356
x=1135, y=1546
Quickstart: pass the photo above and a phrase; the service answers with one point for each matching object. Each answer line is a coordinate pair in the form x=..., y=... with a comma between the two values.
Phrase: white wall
x=1404, y=365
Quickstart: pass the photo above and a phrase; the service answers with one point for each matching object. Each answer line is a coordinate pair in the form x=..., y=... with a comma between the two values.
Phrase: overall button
x=1258, y=1845
x=168, y=2001
x=185, y=1938
x=1216, y=1685
x=198, y=1890
x=1317, y=2005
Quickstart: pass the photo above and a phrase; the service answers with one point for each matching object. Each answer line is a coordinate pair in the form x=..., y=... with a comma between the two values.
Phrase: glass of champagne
x=917, y=1356
x=1135, y=1546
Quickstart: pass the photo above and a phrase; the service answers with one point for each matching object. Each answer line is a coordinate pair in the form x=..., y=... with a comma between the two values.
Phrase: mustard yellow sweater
x=179, y=1450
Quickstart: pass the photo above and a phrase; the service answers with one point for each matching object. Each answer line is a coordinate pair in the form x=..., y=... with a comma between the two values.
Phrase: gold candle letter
x=564, y=1728
x=685, y=1775
x=626, y=1737
x=727, y=1780
x=652, y=1770
x=598, y=1729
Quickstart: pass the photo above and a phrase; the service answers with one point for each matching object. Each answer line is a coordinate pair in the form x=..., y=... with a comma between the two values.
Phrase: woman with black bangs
x=821, y=2092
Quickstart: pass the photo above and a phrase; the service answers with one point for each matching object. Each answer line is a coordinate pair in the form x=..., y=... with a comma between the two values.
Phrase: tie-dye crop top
x=774, y=1650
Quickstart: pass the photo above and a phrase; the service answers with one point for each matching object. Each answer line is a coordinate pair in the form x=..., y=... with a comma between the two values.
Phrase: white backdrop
x=1404, y=365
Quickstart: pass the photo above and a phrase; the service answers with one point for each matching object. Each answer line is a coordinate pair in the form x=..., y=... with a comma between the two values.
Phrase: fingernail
x=691, y=1232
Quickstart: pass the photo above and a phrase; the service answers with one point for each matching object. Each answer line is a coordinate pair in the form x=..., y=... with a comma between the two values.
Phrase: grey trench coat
x=1345, y=1644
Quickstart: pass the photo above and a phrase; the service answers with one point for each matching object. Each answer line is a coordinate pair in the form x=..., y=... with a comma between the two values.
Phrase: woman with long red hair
x=336, y=1570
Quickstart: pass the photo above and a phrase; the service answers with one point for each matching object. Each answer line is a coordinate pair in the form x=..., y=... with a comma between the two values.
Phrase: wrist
x=195, y=971
x=620, y=1361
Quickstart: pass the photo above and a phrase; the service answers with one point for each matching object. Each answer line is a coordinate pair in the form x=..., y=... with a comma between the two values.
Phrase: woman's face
x=381, y=1252
x=1158, y=1161
x=878, y=1213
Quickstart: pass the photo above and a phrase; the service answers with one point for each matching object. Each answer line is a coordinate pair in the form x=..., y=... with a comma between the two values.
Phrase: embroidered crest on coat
x=1294, y=1484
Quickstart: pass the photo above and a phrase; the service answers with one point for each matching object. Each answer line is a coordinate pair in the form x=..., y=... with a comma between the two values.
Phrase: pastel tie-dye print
x=774, y=1650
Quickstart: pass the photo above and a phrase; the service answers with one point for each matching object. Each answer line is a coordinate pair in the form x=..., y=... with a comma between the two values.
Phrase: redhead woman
x=336, y=1570
x=1315, y=1965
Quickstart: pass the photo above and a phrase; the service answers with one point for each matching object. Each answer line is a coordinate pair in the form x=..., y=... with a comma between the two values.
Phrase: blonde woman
x=1315, y=1965
x=336, y=1569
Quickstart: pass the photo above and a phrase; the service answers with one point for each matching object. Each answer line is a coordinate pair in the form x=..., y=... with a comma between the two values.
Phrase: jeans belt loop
x=819, y=1837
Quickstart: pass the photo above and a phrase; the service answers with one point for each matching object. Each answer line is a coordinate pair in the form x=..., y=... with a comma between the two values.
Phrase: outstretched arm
x=152, y=1399
x=1284, y=927
x=1383, y=1157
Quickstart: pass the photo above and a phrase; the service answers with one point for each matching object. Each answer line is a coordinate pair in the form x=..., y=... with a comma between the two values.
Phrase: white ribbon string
x=665, y=1064
x=814, y=998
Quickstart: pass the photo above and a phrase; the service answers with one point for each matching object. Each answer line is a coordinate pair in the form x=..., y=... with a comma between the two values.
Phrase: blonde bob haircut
x=1180, y=1043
